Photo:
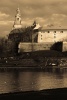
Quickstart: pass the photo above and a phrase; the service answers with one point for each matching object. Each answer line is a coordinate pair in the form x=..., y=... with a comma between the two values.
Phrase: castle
x=47, y=39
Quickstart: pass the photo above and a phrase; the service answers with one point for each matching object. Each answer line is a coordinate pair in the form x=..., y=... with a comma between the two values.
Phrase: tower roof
x=18, y=12
x=17, y=22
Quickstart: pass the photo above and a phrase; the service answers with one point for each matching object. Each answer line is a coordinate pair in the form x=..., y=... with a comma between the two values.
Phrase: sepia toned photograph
x=33, y=49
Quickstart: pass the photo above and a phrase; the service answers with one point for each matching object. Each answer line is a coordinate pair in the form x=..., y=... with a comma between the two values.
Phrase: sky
x=48, y=13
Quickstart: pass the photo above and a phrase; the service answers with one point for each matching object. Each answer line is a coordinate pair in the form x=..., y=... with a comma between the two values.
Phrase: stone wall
x=28, y=47
x=64, y=48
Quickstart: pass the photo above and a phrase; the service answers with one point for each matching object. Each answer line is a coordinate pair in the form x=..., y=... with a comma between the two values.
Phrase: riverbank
x=47, y=94
x=30, y=63
x=38, y=59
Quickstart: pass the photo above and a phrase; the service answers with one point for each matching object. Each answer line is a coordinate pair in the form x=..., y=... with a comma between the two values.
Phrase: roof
x=53, y=30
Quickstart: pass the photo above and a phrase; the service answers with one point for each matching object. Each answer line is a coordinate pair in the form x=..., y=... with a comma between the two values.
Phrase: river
x=20, y=80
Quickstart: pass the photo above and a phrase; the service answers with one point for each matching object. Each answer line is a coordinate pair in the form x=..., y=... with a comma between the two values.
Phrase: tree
x=21, y=35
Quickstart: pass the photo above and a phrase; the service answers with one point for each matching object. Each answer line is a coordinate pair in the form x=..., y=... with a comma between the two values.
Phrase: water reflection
x=19, y=80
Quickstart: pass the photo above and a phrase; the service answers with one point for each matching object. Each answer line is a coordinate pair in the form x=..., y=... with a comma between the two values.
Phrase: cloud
x=34, y=8
x=3, y=16
x=56, y=21
x=37, y=2
x=6, y=22
x=27, y=22
x=47, y=13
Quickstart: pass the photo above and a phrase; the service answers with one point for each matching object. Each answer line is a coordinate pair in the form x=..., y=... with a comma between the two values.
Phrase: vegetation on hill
x=22, y=34
x=9, y=46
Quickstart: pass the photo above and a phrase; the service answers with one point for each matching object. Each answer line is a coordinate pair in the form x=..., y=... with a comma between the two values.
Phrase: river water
x=21, y=80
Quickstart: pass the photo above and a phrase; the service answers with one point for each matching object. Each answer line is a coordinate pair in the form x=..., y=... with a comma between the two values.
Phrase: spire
x=18, y=12
x=34, y=24
x=17, y=22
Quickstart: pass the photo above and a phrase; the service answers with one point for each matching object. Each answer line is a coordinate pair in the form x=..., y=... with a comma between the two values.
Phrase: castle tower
x=17, y=22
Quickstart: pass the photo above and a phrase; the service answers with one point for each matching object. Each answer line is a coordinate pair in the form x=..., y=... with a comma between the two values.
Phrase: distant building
x=42, y=39
x=17, y=22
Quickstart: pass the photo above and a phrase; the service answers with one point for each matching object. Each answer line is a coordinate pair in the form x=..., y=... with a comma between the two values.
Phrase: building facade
x=52, y=35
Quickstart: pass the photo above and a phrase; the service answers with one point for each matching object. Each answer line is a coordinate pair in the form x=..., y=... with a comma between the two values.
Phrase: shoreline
x=32, y=68
x=46, y=94
x=33, y=62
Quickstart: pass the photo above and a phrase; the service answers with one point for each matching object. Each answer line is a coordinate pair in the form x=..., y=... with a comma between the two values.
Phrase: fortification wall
x=28, y=47
x=64, y=48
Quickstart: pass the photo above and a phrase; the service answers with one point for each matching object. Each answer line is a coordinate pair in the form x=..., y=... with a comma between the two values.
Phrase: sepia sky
x=48, y=13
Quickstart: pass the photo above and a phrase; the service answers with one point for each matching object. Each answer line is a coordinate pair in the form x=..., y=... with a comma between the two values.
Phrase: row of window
x=55, y=31
x=54, y=34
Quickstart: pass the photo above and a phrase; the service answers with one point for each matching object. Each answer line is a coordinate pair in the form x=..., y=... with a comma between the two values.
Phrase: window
x=41, y=35
x=54, y=31
x=41, y=38
x=48, y=31
x=61, y=31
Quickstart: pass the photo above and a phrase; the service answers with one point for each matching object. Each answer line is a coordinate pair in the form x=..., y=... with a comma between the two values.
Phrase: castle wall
x=28, y=47
x=52, y=36
x=64, y=48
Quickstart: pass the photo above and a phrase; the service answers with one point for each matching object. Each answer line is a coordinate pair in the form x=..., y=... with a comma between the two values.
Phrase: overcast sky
x=48, y=13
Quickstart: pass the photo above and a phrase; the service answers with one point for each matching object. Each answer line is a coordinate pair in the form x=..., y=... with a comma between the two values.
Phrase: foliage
x=10, y=45
x=21, y=35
